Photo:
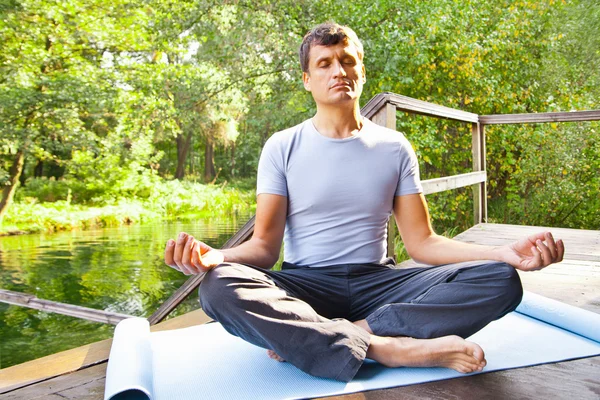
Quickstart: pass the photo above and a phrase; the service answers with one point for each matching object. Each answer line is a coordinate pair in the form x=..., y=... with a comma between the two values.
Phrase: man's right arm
x=192, y=256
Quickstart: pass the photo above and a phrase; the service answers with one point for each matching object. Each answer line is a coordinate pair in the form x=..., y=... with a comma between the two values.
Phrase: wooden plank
x=571, y=116
x=577, y=379
x=85, y=384
x=583, y=245
x=485, y=230
x=243, y=234
x=385, y=115
x=483, y=153
x=374, y=105
x=580, y=290
x=452, y=182
x=90, y=314
x=407, y=104
x=79, y=358
x=404, y=103
x=479, y=191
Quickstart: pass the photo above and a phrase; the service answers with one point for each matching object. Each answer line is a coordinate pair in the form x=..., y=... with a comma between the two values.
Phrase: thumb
x=203, y=248
x=205, y=256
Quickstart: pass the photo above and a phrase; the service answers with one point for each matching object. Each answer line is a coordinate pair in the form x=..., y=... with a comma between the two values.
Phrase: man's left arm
x=423, y=245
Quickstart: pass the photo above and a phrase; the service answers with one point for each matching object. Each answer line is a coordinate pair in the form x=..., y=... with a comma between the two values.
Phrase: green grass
x=167, y=200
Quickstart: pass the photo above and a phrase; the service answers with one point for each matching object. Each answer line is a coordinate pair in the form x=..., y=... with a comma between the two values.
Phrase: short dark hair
x=328, y=34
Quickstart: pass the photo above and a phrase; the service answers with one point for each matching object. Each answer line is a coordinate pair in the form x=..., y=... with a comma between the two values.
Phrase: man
x=330, y=184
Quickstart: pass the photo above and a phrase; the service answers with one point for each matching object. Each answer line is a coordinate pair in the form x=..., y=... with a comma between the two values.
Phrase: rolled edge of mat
x=573, y=319
x=129, y=370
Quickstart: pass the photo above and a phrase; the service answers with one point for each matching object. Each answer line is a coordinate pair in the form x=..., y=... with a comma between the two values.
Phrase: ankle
x=364, y=325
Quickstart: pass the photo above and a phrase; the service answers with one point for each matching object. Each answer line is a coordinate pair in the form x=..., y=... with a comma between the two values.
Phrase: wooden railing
x=382, y=110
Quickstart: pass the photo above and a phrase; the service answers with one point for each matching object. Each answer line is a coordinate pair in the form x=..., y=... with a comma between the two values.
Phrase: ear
x=306, y=80
x=364, y=74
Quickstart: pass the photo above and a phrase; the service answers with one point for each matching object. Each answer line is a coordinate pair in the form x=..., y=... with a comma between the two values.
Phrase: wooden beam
x=571, y=116
x=90, y=314
x=404, y=103
x=483, y=154
x=193, y=282
x=374, y=105
x=479, y=191
x=452, y=182
x=407, y=104
x=385, y=115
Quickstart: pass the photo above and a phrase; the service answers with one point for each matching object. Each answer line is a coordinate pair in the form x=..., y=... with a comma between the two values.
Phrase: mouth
x=340, y=85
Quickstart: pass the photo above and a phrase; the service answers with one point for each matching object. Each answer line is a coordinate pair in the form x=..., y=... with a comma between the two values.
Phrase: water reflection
x=118, y=269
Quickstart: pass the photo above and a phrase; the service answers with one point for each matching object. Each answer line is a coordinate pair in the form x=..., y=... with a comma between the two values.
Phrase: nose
x=338, y=70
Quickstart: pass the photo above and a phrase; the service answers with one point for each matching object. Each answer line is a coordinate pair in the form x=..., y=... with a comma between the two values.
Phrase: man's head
x=331, y=56
x=328, y=34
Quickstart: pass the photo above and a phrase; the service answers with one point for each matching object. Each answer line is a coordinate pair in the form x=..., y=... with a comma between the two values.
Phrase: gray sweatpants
x=305, y=314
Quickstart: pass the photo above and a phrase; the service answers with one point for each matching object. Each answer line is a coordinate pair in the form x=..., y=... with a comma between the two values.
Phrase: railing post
x=386, y=116
x=480, y=190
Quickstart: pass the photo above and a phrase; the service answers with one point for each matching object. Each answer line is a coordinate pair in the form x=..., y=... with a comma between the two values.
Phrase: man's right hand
x=191, y=256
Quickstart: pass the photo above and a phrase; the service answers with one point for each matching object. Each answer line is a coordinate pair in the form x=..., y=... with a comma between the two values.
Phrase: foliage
x=110, y=99
x=161, y=200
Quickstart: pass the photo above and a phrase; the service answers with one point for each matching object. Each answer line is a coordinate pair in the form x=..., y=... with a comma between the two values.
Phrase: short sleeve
x=409, y=181
x=271, y=169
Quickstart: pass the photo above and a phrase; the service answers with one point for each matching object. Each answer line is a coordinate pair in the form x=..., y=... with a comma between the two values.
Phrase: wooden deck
x=575, y=281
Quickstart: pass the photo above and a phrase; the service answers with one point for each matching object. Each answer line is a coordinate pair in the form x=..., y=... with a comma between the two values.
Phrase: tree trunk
x=38, y=171
x=209, y=161
x=233, y=160
x=9, y=190
x=183, y=149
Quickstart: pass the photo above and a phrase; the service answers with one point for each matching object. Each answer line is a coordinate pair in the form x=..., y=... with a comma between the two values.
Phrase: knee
x=217, y=290
x=509, y=283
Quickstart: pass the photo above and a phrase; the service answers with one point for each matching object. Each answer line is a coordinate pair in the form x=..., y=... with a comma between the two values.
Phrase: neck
x=337, y=122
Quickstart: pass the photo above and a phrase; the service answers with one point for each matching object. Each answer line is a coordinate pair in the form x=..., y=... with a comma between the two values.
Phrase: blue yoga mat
x=207, y=362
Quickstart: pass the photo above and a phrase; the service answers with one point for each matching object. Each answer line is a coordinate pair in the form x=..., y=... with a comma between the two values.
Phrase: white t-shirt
x=340, y=191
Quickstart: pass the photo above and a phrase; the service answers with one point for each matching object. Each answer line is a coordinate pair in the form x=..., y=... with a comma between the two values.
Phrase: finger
x=196, y=258
x=560, y=247
x=178, y=256
x=551, y=244
x=537, y=236
x=546, y=255
x=193, y=267
x=186, y=259
x=169, y=250
x=536, y=261
x=179, y=244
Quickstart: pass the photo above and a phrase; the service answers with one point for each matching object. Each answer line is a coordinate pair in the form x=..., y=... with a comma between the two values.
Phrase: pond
x=119, y=270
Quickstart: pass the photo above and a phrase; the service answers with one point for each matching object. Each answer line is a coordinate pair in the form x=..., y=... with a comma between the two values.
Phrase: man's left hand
x=534, y=252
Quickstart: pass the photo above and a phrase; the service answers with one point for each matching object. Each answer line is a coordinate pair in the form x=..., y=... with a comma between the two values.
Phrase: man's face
x=335, y=74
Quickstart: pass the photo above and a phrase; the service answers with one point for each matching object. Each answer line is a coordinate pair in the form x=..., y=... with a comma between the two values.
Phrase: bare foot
x=448, y=351
x=274, y=356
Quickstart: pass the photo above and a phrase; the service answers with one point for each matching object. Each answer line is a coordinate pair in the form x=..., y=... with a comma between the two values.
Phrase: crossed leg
x=383, y=339
x=448, y=351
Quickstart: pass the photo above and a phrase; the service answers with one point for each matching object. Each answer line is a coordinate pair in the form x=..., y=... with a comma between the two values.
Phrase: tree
x=55, y=91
